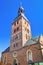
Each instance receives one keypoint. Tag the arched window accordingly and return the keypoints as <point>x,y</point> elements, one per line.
<point>15,62</point>
<point>29,55</point>
<point>5,60</point>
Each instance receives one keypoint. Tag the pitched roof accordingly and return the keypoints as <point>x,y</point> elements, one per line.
<point>21,15</point>
<point>30,42</point>
<point>33,41</point>
<point>37,38</point>
<point>6,50</point>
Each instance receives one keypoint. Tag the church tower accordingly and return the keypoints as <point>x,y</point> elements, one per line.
<point>21,31</point>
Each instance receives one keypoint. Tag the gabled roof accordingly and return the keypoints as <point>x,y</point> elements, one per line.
<point>37,38</point>
<point>33,40</point>
<point>6,50</point>
<point>30,42</point>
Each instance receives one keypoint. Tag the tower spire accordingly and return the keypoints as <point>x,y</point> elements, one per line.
<point>21,9</point>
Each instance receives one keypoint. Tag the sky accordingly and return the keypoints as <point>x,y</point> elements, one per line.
<point>9,11</point>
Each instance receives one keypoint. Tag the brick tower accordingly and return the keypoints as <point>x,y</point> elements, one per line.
<point>21,31</point>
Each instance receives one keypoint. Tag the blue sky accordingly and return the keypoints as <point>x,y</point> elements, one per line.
<point>8,12</point>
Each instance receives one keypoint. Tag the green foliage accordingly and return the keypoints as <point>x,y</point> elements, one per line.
<point>36,64</point>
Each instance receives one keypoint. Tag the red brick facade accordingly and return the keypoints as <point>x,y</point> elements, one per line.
<point>22,47</point>
<point>22,54</point>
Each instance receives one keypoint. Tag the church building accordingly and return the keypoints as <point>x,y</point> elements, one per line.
<point>23,48</point>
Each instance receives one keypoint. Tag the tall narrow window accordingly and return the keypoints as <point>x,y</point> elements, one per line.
<point>5,60</point>
<point>29,56</point>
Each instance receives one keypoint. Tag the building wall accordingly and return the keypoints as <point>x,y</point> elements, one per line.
<point>26,31</point>
<point>41,43</point>
<point>7,57</point>
<point>16,37</point>
<point>36,54</point>
<point>20,34</point>
<point>22,55</point>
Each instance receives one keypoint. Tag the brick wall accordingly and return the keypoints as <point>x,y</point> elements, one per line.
<point>22,55</point>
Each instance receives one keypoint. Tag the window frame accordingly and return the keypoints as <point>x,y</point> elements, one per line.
<point>28,55</point>
<point>4,60</point>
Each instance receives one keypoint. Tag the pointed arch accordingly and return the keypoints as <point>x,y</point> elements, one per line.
<point>5,60</point>
<point>15,62</point>
<point>29,55</point>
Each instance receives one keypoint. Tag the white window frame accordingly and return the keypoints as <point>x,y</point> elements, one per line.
<point>27,55</point>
